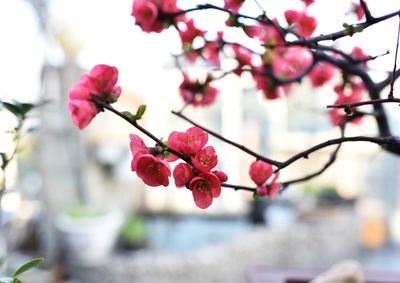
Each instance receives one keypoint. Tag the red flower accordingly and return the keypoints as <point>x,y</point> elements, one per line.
<point>270,190</point>
<point>196,93</point>
<point>183,174</point>
<point>260,171</point>
<point>100,82</point>
<point>302,23</point>
<point>358,53</point>
<point>190,32</point>
<point>82,112</point>
<point>233,5</point>
<point>321,74</point>
<point>138,148</point>
<point>308,2</point>
<point>205,187</point>
<point>220,175</point>
<point>243,57</point>
<point>267,34</point>
<point>346,94</point>
<point>151,15</point>
<point>189,142</point>
<point>205,159</point>
<point>153,171</point>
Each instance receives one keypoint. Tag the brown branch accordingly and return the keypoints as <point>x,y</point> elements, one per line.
<point>385,142</point>
<point>395,63</point>
<point>218,136</point>
<point>362,103</point>
<point>107,106</point>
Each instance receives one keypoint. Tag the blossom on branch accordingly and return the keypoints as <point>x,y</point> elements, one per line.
<point>153,15</point>
<point>100,82</point>
<point>301,22</point>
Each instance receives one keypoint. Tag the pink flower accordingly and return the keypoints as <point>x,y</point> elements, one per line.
<point>321,74</point>
<point>99,82</point>
<point>211,53</point>
<point>243,57</point>
<point>233,5</point>
<point>270,190</point>
<point>82,112</point>
<point>346,94</point>
<point>267,34</point>
<point>302,23</point>
<point>308,2</point>
<point>152,15</point>
<point>358,9</point>
<point>153,171</point>
<point>206,159</point>
<point>138,148</point>
<point>267,86</point>
<point>205,187</point>
<point>220,175</point>
<point>358,53</point>
<point>260,171</point>
<point>183,174</point>
<point>189,142</point>
<point>190,32</point>
<point>196,93</point>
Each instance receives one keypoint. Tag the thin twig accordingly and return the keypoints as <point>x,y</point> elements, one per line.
<point>391,96</point>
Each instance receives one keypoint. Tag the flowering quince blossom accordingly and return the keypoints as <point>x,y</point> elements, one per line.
<point>233,5</point>
<point>359,54</point>
<point>100,82</point>
<point>197,177</point>
<point>308,2</point>
<point>205,187</point>
<point>267,34</point>
<point>346,94</point>
<point>321,74</point>
<point>196,93</point>
<point>271,190</point>
<point>189,32</point>
<point>260,172</point>
<point>153,170</point>
<point>358,10</point>
<point>152,15</point>
<point>302,23</point>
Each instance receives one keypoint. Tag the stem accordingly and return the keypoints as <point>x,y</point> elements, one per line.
<point>367,102</point>
<point>391,141</point>
<point>104,105</point>
<point>218,136</point>
<point>395,64</point>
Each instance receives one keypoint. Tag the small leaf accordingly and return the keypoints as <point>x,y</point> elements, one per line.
<point>140,111</point>
<point>255,196</point>
<point>16,280</point>
<point>25,108</point>
<point>12,108</point>
<point>129,115</point>
<point>29,265</point>
<point>346,25</point>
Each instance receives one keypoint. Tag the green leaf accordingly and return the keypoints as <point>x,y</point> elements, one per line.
<point>346,25</point>
<point>25,108</point>
<point>29,265</point>
<point>255,196</point>
<point>129,115</point>
<point>12,108</point>
<point>16,280</point>
<point>140,111</point>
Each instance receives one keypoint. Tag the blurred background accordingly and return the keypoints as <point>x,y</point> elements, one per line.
<point>72,199</point>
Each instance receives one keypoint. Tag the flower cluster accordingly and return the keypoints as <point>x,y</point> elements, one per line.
<point>260,172</point>
<point>196,174</point>
<point>153,15</point>
<point>99,82</point>
<point>197,93</point>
